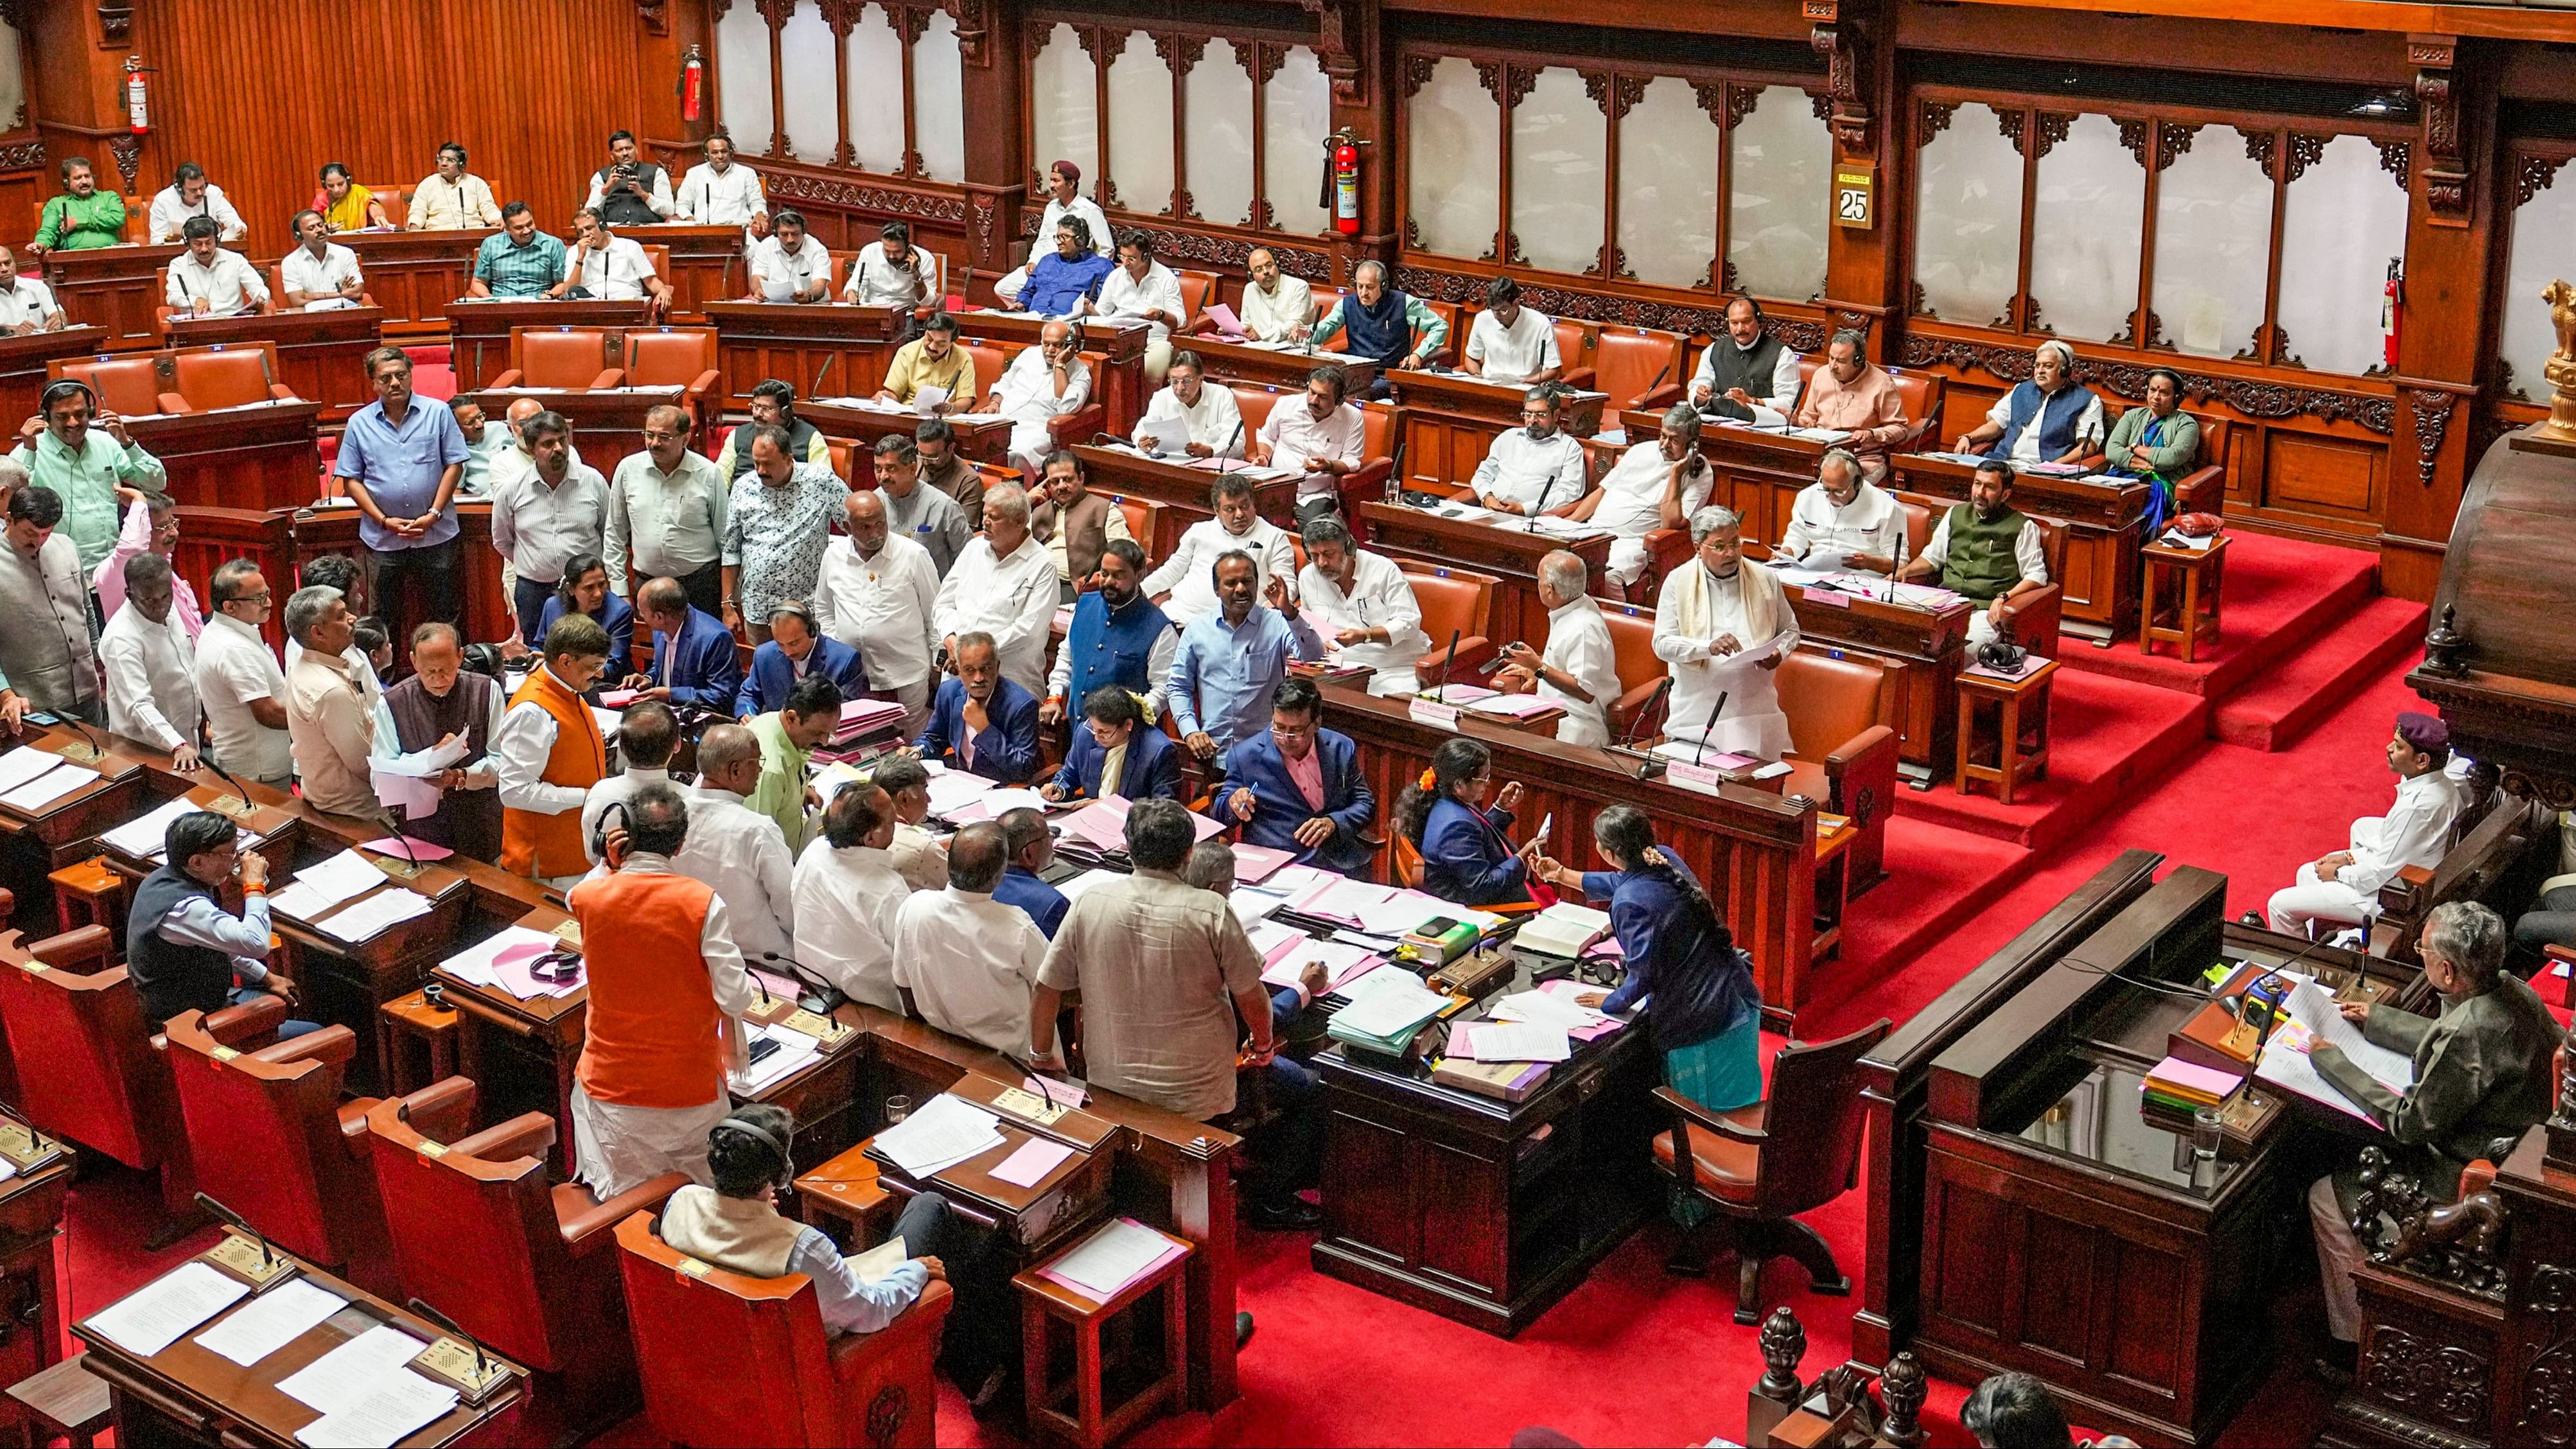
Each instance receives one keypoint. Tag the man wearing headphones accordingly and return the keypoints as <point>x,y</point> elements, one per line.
<point>85,466</point>
<point>1746,375</point>
<point>797,648</point>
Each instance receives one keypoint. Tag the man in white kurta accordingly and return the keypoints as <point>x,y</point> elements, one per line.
<point>1276,307</point>
<point>1842,520</point>
<point>1064,198</point>
<point>1713,610</point>
<point>1654,485</point>
<point>1206,412</point>
<point>151,665</point>
<point>1140,286</point>
<point>1537,467</point>
<point>720,192</point>
<point>1370,616</point>
<point>2343,888</point>
<point>847,894</point>
<point>1003,584</point>
<point>969,962</point>
<point>1184,586</point>
<point>877,592</point>
<point>1512,343</point>
<point>737,851</point>
<point>1043,383</point>
<point>1580,669</point>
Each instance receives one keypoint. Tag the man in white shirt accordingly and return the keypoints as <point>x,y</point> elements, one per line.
<point>238,680</point>
<point>1064,198</point>
<point>319,274</point>
<point>612,268</point>
<point>1210,416</point>
<point>965,962</point>
<point>1276,307</point>
<point>1653,486</point>
<point>209,281</point>
<point>1746,374</point>
<point>666,513</point>
<point>892,272</point>
<point>647,733</point>
<point>1512,343</point>
<point>1715,607</point>
<point>190,194</point>
<point>2342,889</point>
<point>789,263</point>
<point>847,894</point>
<point>26,305</point>
<point>1536,467</point>
<point>1842,520</point>
<point>452,198</point>
<point>735,850</point>
<point>543,516</point>
<point>717,192</point>
<point>1580,669</point>
<point>1320,434</point>
<point>1370,616</point>
<point>151,665</point>
<point>1183,585</point>
<point>1043,383</point>
<point>1143,287</point>
<point>878,592</point>
<point>1002,584</point>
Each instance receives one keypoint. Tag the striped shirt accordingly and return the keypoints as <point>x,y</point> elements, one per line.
<point>519,271</point>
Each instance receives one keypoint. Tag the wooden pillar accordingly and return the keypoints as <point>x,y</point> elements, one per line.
<point>1350,45</point>
<point>79,101</point>
<point>997,166</point>
<point>1864,281</point>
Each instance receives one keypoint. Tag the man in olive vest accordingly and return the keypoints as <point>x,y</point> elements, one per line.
<point>551,753</point>
<point>1984,550</point>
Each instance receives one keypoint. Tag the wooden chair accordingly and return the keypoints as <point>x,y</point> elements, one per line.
<point>1840,755</point>
<point>1757,1167</point>
<point>1639,368</point>
<point>129,386</point>
<point>478,1235</point>
<point>2496,862</point>
<point>284,1151</point>
<point>223,375</point>
<point>576,359</point>
<point>1452,600</point>
<point>681,357</point>
<point>1641,674</point>
<point>729,1359</point>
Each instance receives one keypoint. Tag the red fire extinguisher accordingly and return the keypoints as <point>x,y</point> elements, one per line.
<point>2392,309</point>
<point>693,83</point>
<point>138,103</point>
<point>1342,180</point>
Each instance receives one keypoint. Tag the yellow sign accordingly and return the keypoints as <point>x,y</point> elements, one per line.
<point>1856,195</point>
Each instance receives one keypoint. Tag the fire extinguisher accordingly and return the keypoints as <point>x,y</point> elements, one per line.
<point>2392,309</point>
<point>138,102</point>
<point>693,83</point>
<point>1342,180</point>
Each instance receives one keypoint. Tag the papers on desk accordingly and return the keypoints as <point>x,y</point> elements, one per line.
<point>795,1052</point>
<point>393,1406</point>
<point>343,1376</point>
<point>1515,706</point>
<point>1556,527</point>
<point>1339,898</point>
<point>1686,745</point>
<point>1563,929</point>
<point>2314,1018</point>
<point>1237,468</point>
<point>23,764</point>
<point>152,1317</point>
<point>1112,1258</point>
<point>993,803</point>
<point>1029,1166</point>
<point>317,888</point>
<point>1386,1015</point>
<point>1542,1008</point>
<point>1826,436</point>
<point>406,848</point>
<point>1510,1041</point>
<point>474,963</point>
<point>1343,961</point>
<point>64,778</point>
<point>1464,512</point>
<point>1291,881</point>
<point>1252,906</point>
<point>1103,823</point>
<point>950,789</point>
<point>1254,864</point>
<point>1461,693</point>
<point>1162,436</point>
<point>1073,888</point>
<point>271,1321</point>
<point>365,920</point>
<point>147,834</point>
<point>941,1133</point>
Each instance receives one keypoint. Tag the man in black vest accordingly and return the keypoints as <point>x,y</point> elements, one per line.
<point>181,949</point>
<point>629,191</point>
<point>444,700</point>
<point>1746,374</point>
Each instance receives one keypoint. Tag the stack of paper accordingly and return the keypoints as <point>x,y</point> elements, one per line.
<point>952,789</point>
<point>317,888</point>
<point>53,784</point>
<point>941,1133</point>
<point>1118,1254</point>
<point>1510,1041</point>
<point>1103,823</point>
<point>2314,1018</point>
<point>1545,1008</point>
<point>1254,864</point>
<point>271,1321</point>
<point>365,920</point>
<point>1285,961</point>
<point>152,1317</point>
<point>23,764</point>
<point>1514,706</point>
<point>1386,1016</point>
<point>474,963</point>
<point>1032,1162</point>
<point>366,1395</point>
<point>145,834</point>
<point>795,1051</point>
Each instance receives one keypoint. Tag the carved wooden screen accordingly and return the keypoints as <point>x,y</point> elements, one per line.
<point>863,84</point>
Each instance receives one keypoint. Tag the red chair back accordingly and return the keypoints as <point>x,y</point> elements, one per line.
<point>83,1050</point>
<point>1381,423</point>
<point>287,1163</point>
<point>1197,290</point>
<point>669,356</point>
<point>1813,1115</point>
<point>474,1238</point>
<point>1452,599</point>
<point>224,376</point>
<point>992,359</point>
<point>1255,401</point>
<point>1632,643</point>
<point>1919,394</point>
<point>660,257</point>
<point>128,385</point>
<point>1828,700</point>
<point>560,356</point>
<point>1577,345</point>
<point>1633,361</point>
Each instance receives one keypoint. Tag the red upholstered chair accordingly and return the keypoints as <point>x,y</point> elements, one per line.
<point>990,359</point>
<point>2038,616</point>
<point>1919,394</point>
<point>574,358</point>
<point>1578,350</point>
<point>129,386</point>
<point>1639,368</point>
<point>396,201</point>
<point>660,258</point>
<point>1839,754</point>
<point>1326,299</point>
<point>729,1359</point>
<point>1198,289</point>
<point>531,1271</point>
<point>1632,649</point>
<point>681,357</point>
<point>1760,1166</point>
<point>281,1148</point>
<point>1255,400</point>
<point>1452,599</point>
<point>846,457</point>
<point>1381,427</point>
<point>223,375</point>
<point>1455,314</point>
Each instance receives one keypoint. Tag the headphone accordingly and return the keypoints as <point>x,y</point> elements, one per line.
<point>786,1164</point>
<point>63,387</point>
<point>599,829</point>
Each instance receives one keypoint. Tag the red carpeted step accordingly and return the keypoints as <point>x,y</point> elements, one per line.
<point>1937,877</point>
<point>2273,712</point>
<point>2108,739</point>
<point>2280,594</point>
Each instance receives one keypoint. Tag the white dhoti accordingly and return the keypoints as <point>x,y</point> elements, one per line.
<point>1751,723</point>
<point>615,1148</point>
<point>1627,560</point>
<point>1008,289</point>
<point>2293,907</point>
<point>1031,442</point>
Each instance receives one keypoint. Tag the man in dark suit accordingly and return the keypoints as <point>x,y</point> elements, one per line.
<point>1117,753</point>
<point>693,657</point>
<point>1297,787</point>
<point>982,723</point>
<point>797,647</point>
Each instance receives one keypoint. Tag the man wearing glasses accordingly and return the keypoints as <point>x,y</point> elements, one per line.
<point>239,681</point>
<point>1536,467</point>
<point>666,513</point>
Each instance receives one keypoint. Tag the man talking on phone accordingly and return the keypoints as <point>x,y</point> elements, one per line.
<point>1653,485</point>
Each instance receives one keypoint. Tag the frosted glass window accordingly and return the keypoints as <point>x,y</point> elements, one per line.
<point>938,101</point>
<point>2344,219</point>
<point>1064,105</point>
<point>1140,126</point>
<point>876,92</point>
<point>1560,140</point>
<point>1781,189</point>
<point>807,87</point>
<point>2084,231</point>
<point>13,79</point>
<point>2213,246</point>
<point>1668,186</point>
<point>1218,99</point>
<point>1967,229</point>
<point>742,78</point>
<point>2541,227</point>
<point>1296,112</point>
<point>1454,162</point>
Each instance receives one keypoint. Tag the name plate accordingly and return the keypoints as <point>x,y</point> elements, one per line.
<point>821,1028</point>
<point>1830,598</point>
<point>1703,778</point>
<point>1435,714</point>
<point>232,805</point>
<point>1029,1106</point>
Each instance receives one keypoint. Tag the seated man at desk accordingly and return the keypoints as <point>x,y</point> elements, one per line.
<point>1116,752</point>
<point>2342,889</point>
<point>551,753</point>
<point>1719,605</point>
<point>1064,198</point>
<point>1043,383</point>
<point>1384,325</point>
<point>208,280</point>
<point>189,196</point>
<point>847,893</point>
<point>964,960</point>
<point>1852,395</point>
<point>27,305</point>
<point>1580,668</point>
<point>722,192</point>
<point>85,216</point>
<point>892,272</point>
<point>982,723</point>
<point>1746,375</point>
<point>1297,786</point>
<point>1276,307</point>
<point>2482,1072</point>
<point>319,274</point>
<point>737,850</point>
<point>1537,467</point>
<point>1653,486</point>
<point>1144,288</point>
<point>613,268</point>
<point>797,647</point>
<point>2048,418</point>
<point>1184,584</point>
<point>1985,552</point>
<point>1325,437</point>
<point>630,190</point>
<point>1843,516</point>
<point>1509,342</point>
<point>932,360</point>
<point>1466,846</point>
<point>183,950</point>
<point>1117,637</point>
<point>693,654</point>
<point>1367,606</point>
<point>519,262</point>
<point>2159,442</point>
<point>789,265</point>
<point>1232,659</point>
<point>667,994</point>
<point>451,198</point>
<point>1063,282</point>
<point>773,405</point>
<point>1208,419</point>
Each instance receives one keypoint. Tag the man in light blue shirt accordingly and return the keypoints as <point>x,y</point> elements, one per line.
<point>402,461</point>
<point>1231,660</point>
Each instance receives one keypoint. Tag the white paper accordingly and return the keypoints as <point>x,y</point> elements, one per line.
<point>795,1052</point>
<point>49,787</point>
<point>342,877</point>
<point>940,1133</point>
<point>1110,1257</point>
<point>1073,889</point>
<point>393,1406</point>
<point>777,289</point>
<point>420,764</point>
<point>1391,1006</point>
<point>1518,1041</point>
<point>950,789</point>
<point>928,398</point>
<point>272,1321</point>
<point>1161,436</point>
<point>339,1379</point>
<point>152,1317</point>
<point>147,833</point>
<point>1540,1009</point>
<point>1253,907</point>
<point>474,963</point>
<point>23,764</point>
<point>363,921</point>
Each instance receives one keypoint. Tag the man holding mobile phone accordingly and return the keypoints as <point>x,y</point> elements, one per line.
<point>1654,485</point>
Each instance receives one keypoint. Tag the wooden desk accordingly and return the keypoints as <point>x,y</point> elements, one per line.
<point>31,1217</point>
<point>351,983</point>
<point>188,1394</point>
<point>322,355</point>
<point>413,275</point>
<point>1182,491</point>
<point>23,364</point>
<point>117,289</point>
<point>827,349</point>
<point>39,842</point>
<point>1286,368</point>
<point>263,456</point>
<point>981,437</point>
<point>488,611</point>
<point>1510,554</point>
<point>479,332</point>
<point>1118,373</point>
<point>1923,650</point>
<point>1031,1222</point>
<point>1451,420</point>
<point>607,424</point>
<point>268,814</point>
<point>2104,521</point>
<point>705,263</point>
<point>1484,1211</point>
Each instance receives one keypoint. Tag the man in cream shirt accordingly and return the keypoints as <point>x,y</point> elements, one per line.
<point>1580,669</point>
<point>1370,615</point>
<point>965,961</point>
<point>452,198</point>
<point>209,281</point>
<point>877,592</point>
<point>1140,286</point>
<point>1844,521</point>
<point>238,680</point>
<point>190,194</point>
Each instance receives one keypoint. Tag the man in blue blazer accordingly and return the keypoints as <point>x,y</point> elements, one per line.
<point>1298,786</point>
<point>1023,883</point>
<point>693,658</point>
<point>1114,721</point>
<point>982,723</point>
<point>797,647</point>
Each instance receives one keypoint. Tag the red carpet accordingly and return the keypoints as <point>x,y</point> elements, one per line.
<point>2277,594</point>
<point>2106,736</point>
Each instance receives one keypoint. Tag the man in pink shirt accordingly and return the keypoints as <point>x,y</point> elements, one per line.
<point>1852,396</point>
<point>151,523</point>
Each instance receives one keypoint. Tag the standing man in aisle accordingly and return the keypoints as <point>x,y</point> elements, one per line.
<point>551,753</point>
<point>401,461</point>
<point>545,517</point>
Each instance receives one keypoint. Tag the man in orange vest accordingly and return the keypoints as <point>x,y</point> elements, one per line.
<point>666,1003</point>
<point>551,753</point>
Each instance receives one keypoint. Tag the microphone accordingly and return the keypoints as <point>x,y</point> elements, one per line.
<point>1646,711</point>
<point>88,741</point>
<point>240,796</point>
<point>828,995</point>
<point>1708,725</point>
<point>241,1225</point>
<point>822,372</point>
<point>1446,660</point>
<point>1044,1089</point>
<point>486,1372</point>
<point>1896,565</point>
<point>860,286</point>
<point>412,871</point>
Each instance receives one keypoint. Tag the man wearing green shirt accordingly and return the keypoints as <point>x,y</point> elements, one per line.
<point>84,216</point>
<point>85,466</point>
<point>787,737</point>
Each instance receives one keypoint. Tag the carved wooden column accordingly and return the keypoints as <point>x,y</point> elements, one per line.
<point>997,166</point>
<point>1864,282</point>
<point>2535,1362</point>
<point>1350,46</point>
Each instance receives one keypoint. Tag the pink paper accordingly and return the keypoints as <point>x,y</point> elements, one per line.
<point>777,985</point>
<point>406,848</point>
<point>617,698</point>
<point>1103,822</point>
<point>513,964</point>
<point>1518,706</point>
<point>1227,324</point>
<point>1256,863</point>
<point>1830,598</point>
<point>1062,1094</point>
<point>1029,1166</point>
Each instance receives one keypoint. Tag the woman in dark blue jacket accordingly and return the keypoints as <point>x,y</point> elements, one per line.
<point>1467,855</point>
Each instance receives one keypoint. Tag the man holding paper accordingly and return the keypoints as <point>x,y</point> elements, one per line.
<point>1298,786</point>
<point>182,948</point>
<point>2481,1071</point>
<point>1188,416</point>
<point>1719,614</point>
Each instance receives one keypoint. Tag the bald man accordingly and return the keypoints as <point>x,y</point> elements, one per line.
<point>735,849</point>
<point>1043,383</point>
<point>878,592</point>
